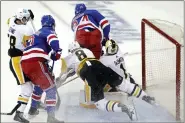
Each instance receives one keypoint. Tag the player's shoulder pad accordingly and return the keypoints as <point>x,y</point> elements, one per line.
<point>26,30</point>
<point>91,12</point>
<point>47,31</point>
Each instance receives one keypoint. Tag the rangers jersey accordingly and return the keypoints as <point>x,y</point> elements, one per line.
<point>40,44</point>
<point>89,20</point>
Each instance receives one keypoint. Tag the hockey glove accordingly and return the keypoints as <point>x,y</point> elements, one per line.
<point>56,55</point>
<point>104,41</point>
<point>31,14</point>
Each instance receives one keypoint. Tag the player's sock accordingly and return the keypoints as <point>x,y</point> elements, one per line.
<point>108,105</point>
<point>132,89</point>
<point>51,100</point>
<point>36,96</point>
<point>23,100</point>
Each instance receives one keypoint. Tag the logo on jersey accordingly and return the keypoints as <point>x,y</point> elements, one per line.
<point>118,61</point>
<point>11,30</point>
<point>30,41</point>
<point>75,24</point>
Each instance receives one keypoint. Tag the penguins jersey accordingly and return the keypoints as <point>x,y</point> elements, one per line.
<point>77,59</point>
<point>116,63</point>
<point>18,35</point>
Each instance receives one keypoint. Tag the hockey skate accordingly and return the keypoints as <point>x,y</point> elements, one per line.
<point>41,105</point>
<point>130,110</point>
<point>52,119</point>
<point>20,117</point>
<point>33,111</point>
<point>148,99</point>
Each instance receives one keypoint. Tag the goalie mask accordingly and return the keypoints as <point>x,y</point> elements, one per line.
<point>23,15</point>
<point>73,46</point>
<point>111,47</point>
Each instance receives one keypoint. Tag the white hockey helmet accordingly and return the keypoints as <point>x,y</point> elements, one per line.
<point>23,15</point>
<point>73,46</point>
<point>111,47</point>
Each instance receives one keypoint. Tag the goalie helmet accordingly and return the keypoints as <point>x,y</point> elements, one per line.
<point>23,15</point>
<point>73,46</point>
<point>111,47</point>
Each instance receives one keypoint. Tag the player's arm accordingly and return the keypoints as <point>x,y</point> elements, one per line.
<point>67,69</point>
<point>103,22</point>
<point>53,41</point>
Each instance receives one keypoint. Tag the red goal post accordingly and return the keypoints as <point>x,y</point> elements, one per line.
<point>162,57</point>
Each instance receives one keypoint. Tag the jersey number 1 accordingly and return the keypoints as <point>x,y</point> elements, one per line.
<point>80,54</point>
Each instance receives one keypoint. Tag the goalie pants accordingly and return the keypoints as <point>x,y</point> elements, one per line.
<point>90,40</point>
<point>97,76</point>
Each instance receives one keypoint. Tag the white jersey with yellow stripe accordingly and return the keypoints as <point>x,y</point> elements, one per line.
<point>18,34</point>
<point>76,59</point>
<point>115,62</point>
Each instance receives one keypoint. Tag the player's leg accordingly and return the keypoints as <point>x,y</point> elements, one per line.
<point>126,85</point>
<point>25,86</point>
<point>35,100</point>
<point>40,75</point>
<point>93,74</point>
<point>95,40</point>
<point>90,39</point>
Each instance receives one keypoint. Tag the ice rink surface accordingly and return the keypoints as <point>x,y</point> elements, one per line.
<point>128,19</point>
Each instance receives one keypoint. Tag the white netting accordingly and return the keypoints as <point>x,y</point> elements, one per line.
<point>161,64</point>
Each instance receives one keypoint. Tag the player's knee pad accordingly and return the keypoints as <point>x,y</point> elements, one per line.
<point>26,91</point>
<point>51,96</point>
<point>131,89</point>
<point>108,105</point>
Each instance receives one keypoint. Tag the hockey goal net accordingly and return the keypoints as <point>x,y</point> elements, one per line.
<point>163,63</point>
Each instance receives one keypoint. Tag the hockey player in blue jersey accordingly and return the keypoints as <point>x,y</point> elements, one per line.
<point>42,47</point>
<point>87,26</point>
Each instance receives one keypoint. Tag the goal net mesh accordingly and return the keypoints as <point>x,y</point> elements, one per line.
<point>161,65</point>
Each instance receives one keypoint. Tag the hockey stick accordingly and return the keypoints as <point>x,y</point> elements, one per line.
<point>59,100</point>
<point>68,81</point>
<point>33,26</point>
<point>13,110</point>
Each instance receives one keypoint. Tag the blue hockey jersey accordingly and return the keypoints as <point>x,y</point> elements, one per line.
<point>41,43</point>
<point>91,19</point>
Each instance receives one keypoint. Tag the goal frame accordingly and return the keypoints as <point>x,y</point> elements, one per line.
<point>178,60</point>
